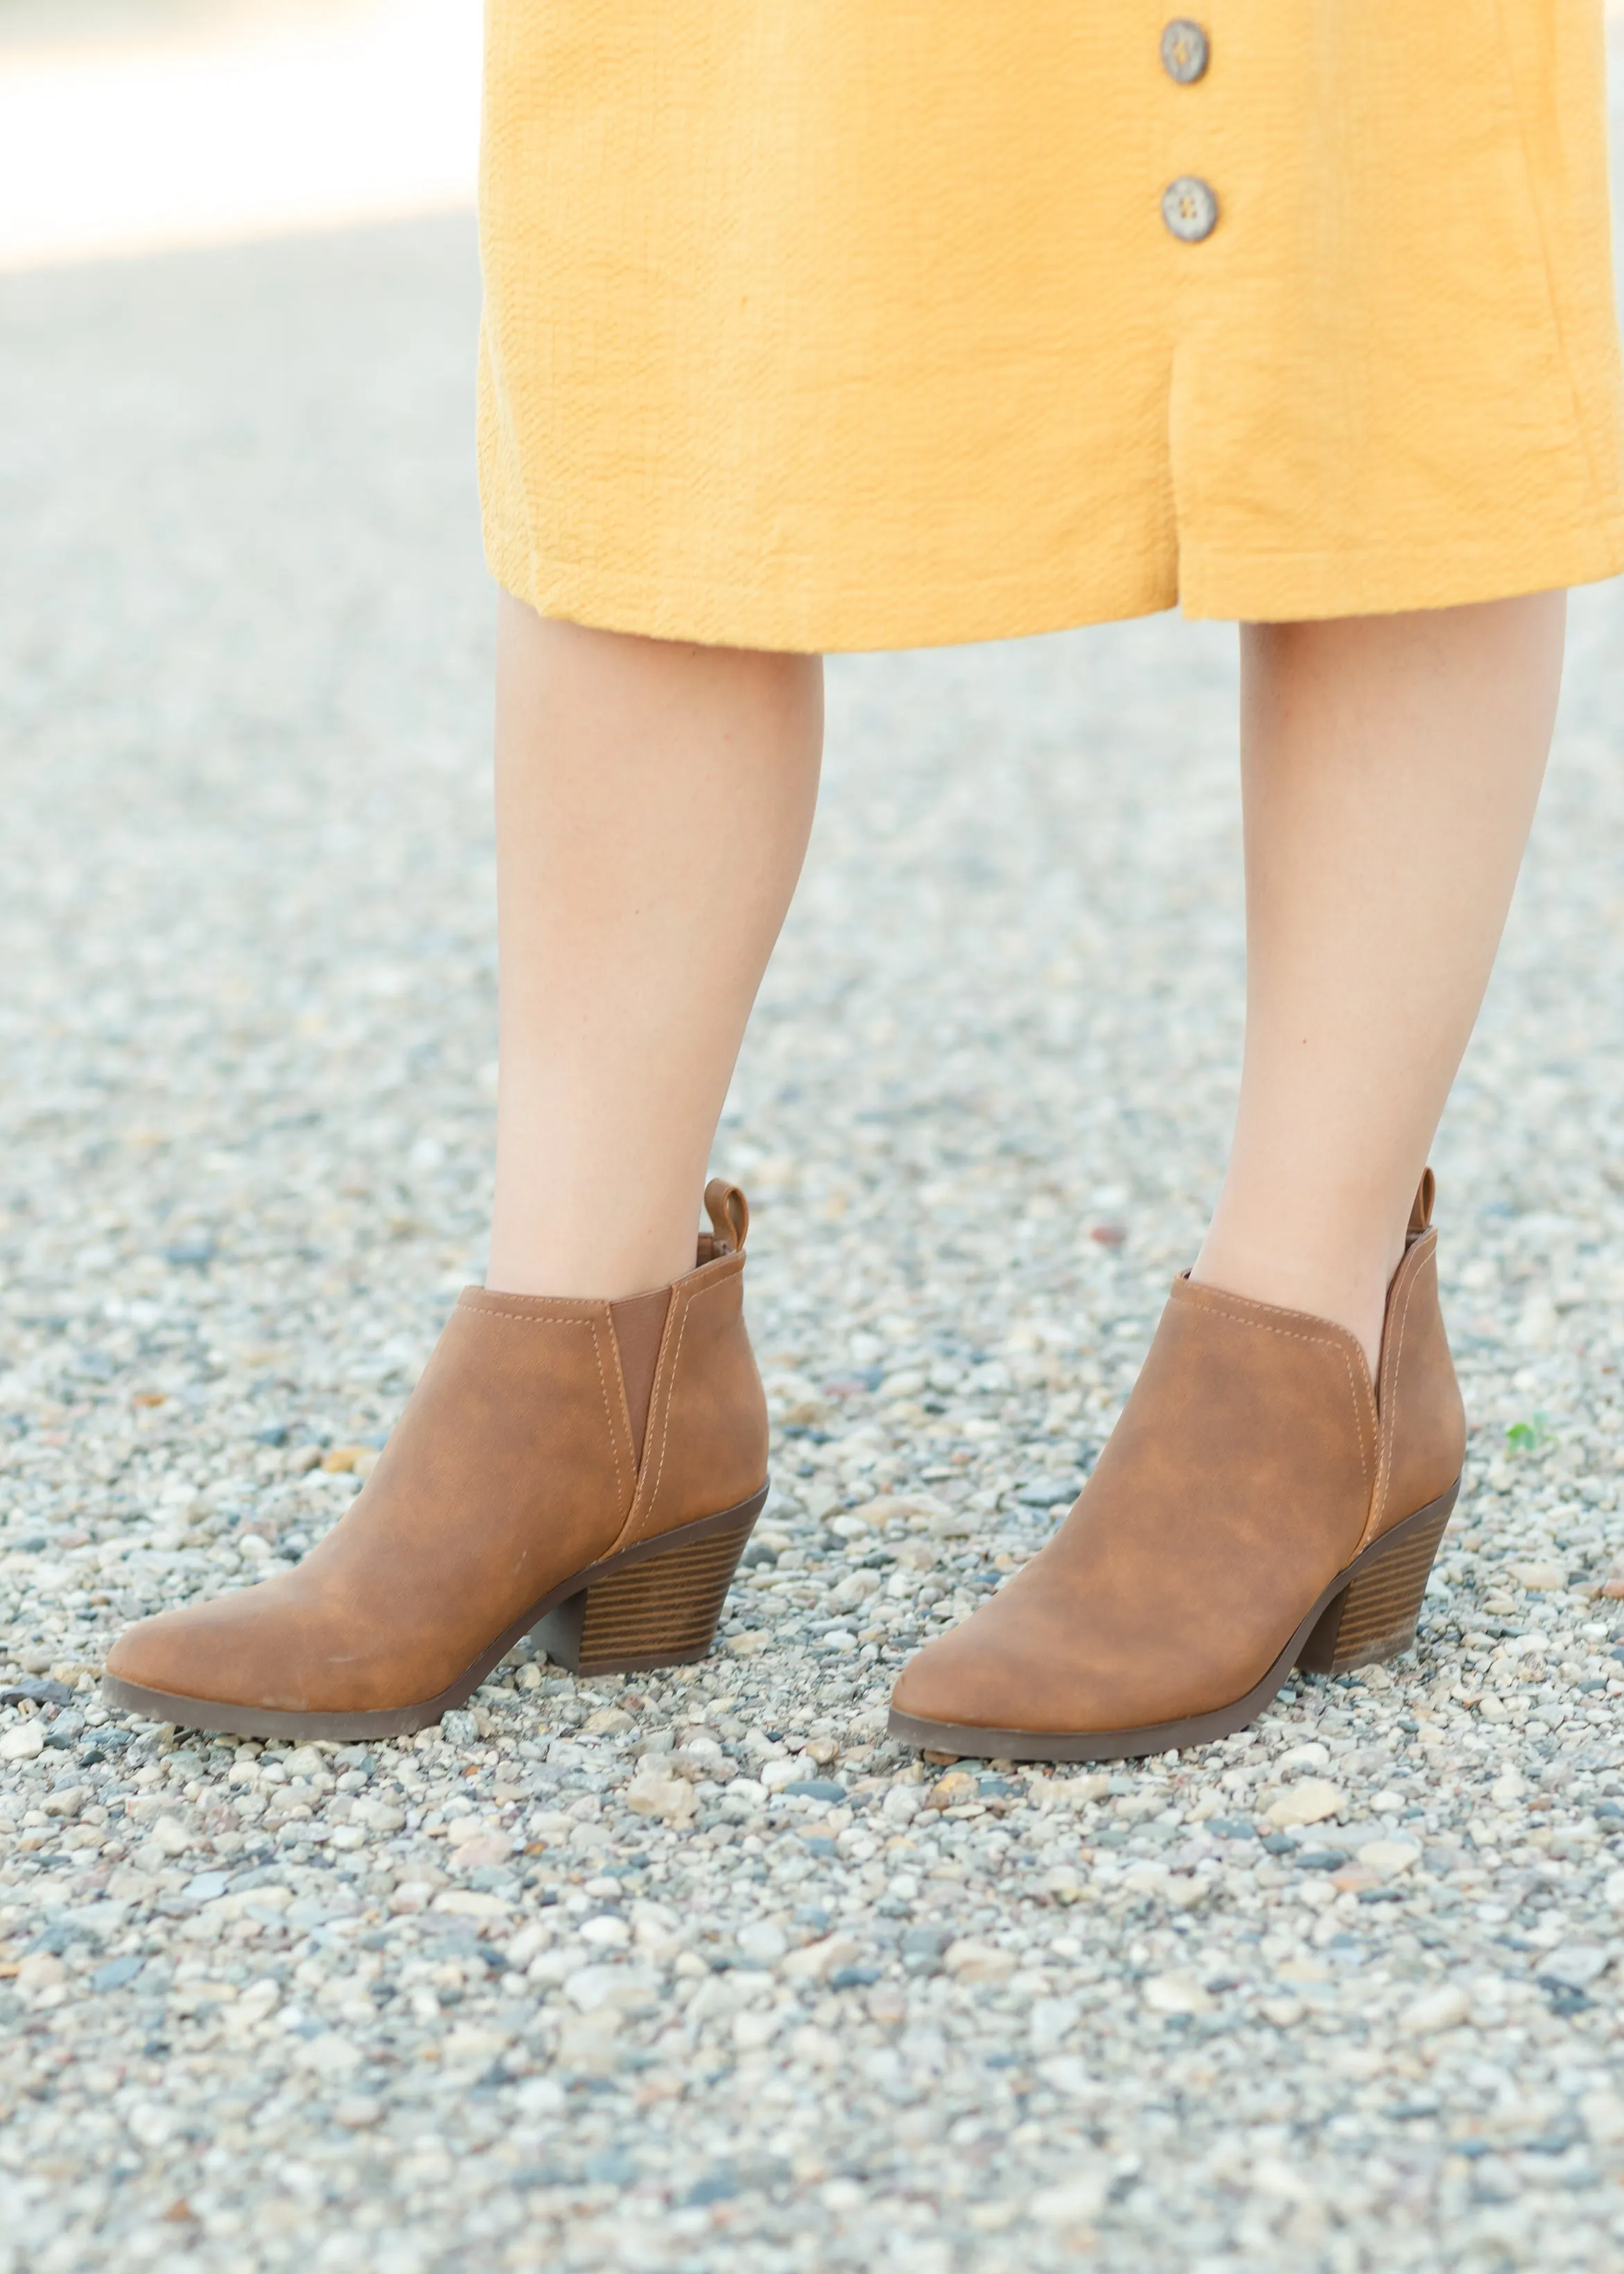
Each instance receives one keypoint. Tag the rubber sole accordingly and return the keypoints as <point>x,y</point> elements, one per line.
<point>1367,1613</point>
<point>663,1598</point>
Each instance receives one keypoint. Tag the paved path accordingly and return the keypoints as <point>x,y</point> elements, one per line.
<point>577,1983</point>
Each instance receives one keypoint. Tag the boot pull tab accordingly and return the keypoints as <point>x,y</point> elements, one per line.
<point>1421,1215</point>
<point>730,1215</point>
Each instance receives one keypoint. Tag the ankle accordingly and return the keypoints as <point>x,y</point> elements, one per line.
<point>594,1270</point>
<point>1350,1290</point>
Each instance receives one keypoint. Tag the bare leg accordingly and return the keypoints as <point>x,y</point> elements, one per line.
<point>652,808</point>
<point>1391,766</point>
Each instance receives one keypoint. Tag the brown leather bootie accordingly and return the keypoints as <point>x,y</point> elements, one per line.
<point>1260,1505</point>
<point>588,1470</point>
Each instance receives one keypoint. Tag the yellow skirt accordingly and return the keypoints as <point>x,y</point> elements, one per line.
<point>873,323</point>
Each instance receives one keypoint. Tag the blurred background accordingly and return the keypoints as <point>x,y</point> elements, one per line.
<point>131,126</point>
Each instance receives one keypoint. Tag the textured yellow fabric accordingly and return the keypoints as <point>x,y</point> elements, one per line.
<point>856,323</point>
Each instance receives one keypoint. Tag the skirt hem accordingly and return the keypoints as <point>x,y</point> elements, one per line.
<point>1205,583</point>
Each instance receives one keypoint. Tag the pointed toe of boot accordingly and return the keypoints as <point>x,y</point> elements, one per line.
<point>285,1658</point>
<point>196,1666</point>
<point>963,1687</point>
<point>928,1689</point>
<point>144,1656</point>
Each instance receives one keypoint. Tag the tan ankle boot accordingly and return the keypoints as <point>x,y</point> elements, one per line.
<point>588,1470</point>
<point>1259,1506</point>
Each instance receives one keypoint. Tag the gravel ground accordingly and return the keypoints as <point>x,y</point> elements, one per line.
<point>702,1973</point>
